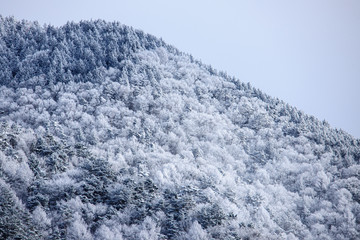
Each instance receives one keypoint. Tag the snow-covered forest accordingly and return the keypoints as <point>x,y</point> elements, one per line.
<point>109,133</point>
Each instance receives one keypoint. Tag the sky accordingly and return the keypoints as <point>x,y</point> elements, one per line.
<point>306,52</point>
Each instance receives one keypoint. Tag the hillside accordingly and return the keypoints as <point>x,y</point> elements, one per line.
<point>109,133</point>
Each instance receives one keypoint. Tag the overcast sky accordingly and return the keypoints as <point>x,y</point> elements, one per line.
<point>306,52</point>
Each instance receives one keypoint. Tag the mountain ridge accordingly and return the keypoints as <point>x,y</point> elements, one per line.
<point>149,43</point>
<point>109,133</point>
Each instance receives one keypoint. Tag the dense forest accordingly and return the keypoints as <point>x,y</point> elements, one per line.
<point>109,133</point>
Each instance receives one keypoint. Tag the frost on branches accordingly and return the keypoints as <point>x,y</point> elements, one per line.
<point>109,133</point>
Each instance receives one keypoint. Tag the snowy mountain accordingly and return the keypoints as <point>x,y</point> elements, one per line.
<point>109,133</point>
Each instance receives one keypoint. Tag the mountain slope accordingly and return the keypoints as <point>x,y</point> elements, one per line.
<point>110,133</point>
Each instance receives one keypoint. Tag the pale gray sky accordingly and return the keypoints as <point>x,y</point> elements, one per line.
<point>306,52</point>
